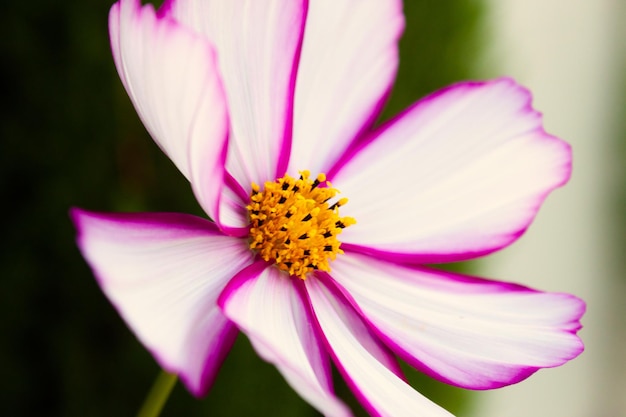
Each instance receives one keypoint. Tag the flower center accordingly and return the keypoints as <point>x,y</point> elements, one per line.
<point>294,226</point>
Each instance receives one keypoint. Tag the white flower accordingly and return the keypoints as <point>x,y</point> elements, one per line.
<point>246,95</point>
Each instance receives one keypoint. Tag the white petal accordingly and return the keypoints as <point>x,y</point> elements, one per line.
<point>163,273</point>
<point>233,212</point>
<point>258,44</point>
<point>171,76</point>
<point>465,331</point>
<point>349,60</point>
<point>460,174</point>
<point>266,305</point>
<point>363,362</point>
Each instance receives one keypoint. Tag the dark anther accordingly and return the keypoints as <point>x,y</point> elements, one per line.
<point>288,264</point>
<point>315,184</point>
<point>307,252</point>
<point>289,214</point>
<point>282,200</point>
<point>288,241</point>
<point>255,212</point>
<point>307,217</point>
<point>328,234</point>
<point>283,229</point>
<point>304,236</point>
<point>328,248</point>
<point>312,266</point>
<point>285,186</point>
<point>259,222</point>
<point>295,188</point>
<point>340,225</point>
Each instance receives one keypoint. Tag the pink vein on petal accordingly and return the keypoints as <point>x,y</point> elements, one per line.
<point>268,306</point>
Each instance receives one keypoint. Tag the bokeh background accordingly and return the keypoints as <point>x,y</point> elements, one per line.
<point>70,137</point>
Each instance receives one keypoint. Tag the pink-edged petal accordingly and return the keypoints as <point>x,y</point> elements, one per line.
<point>233,213</point>
<point>258,45</point>
<point>269,308</point>
<point>368,367</point>
<point>349,60</point>
<point>465,331</point>
<point>163,273</point>
<point>171,76</point>
<point>460,174</point>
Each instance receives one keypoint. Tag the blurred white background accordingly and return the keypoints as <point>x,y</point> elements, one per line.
<point>570,53</point>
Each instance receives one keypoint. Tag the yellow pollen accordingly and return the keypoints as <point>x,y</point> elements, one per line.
<point>295,223</point>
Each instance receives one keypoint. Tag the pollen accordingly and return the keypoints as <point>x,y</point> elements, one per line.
<point>294,223</point>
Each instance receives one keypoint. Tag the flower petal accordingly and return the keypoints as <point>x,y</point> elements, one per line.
<point>460,174</point>
<point>462,330</point>
<point>363,361</point>
<point>171,76</point>
<point>233,213</point>
<point>267,305</point>
<point>163,273</point>
<point>349,60</point>
<point>258,44</point>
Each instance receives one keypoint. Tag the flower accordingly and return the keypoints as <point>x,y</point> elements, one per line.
<point>261,113</point>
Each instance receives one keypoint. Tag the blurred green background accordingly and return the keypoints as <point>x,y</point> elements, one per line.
<point>70,137</point>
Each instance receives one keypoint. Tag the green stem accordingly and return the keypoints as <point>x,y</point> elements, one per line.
<point>158,395</point>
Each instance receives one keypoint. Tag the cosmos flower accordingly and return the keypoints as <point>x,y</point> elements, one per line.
<point>320,224</point>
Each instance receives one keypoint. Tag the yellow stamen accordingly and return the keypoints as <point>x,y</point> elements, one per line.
<point>294,226</point>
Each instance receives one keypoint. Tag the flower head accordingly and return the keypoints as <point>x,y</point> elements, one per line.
<point>267,108</point>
